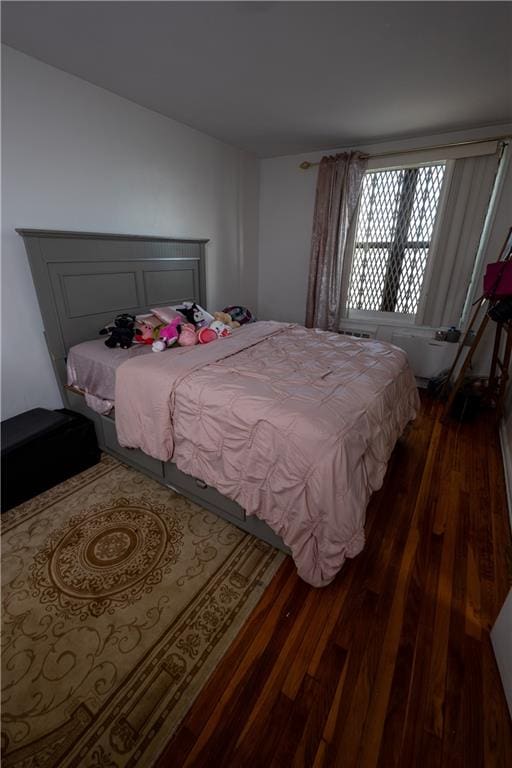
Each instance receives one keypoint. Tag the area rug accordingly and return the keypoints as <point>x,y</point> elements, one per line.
<point>119,598</point>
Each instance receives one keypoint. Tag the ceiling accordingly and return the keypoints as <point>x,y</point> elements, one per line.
<point>278,78</point>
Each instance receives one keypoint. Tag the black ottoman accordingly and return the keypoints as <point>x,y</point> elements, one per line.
<point>41,448</point>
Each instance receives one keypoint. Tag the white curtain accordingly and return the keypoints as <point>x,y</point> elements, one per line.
<point>456,243</point>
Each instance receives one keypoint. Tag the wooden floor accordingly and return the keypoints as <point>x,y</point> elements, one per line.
<point>391,664</point>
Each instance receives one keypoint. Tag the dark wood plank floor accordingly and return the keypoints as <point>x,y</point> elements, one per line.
<point>391,665</point>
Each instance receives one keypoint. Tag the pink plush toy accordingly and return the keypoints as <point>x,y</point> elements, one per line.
<point>167,336</point>
<point>146,334</point>
<point>205,335</point>
<point>188,336</point>
<point>146,329</point>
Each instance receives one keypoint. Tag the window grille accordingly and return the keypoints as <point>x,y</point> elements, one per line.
<point>396,218</point>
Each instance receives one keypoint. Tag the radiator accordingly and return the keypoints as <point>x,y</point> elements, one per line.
<point>362,334</point>
<point>427,356</point>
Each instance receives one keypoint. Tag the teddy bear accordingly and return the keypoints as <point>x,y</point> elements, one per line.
<point>223,317</point>
<point>121,332</point>
<point>167,336</point>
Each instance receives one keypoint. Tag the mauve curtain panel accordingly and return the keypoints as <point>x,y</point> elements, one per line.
<point>337,194</point>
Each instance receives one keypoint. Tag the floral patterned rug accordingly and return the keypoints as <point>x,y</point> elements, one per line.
<point>119,598</point>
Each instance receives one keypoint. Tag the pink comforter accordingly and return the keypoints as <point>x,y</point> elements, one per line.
<point>296,425</point>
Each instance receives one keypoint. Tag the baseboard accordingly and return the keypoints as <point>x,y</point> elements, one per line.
<point>506,455</point>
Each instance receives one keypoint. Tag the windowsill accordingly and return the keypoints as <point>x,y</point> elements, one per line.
<point>373,322</point>
<point>381,318</point>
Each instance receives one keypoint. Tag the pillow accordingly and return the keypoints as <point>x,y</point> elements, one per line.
<point>167,314</point>
<point>148,319</point>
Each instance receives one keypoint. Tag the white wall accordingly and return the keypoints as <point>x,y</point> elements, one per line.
<point>287,197</point>
<point>501,636</point>
<point>78,157</point>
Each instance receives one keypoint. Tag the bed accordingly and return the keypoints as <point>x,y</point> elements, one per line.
<point>283,430</point>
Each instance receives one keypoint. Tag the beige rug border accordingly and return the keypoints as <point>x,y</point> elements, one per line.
<point>243,616</point>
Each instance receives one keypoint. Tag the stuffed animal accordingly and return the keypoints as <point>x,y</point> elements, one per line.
<point>241,314</point>
<point>205,335</point>
<point>188,336</point>
<point>146,329</point>
<point>223,317</point>
<point>145,335</point>
<point>167,336</point>
<point>221,329</point>
<point>121,332</point>
<point>193,314</point>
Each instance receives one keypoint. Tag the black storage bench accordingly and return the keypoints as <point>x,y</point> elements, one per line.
<point>41,448</point>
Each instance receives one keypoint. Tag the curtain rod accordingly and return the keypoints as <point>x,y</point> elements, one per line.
<point>306,164</point>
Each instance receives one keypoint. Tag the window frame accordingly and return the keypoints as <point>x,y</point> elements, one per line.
<point>401,318</point>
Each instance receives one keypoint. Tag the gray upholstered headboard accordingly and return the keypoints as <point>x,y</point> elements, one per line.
<point>84,279</point>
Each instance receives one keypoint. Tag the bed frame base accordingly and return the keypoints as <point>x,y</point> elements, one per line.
<point>168,474</point>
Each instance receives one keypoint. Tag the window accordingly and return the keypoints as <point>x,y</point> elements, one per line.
<point>396,218</point>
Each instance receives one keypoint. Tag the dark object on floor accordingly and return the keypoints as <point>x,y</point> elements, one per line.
<point>466,406</point>
<point>469,399</point>
<point>41,448</point>
<point>435,385</point>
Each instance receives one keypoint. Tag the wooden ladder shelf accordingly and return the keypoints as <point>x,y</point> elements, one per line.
<point>499,370</point>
